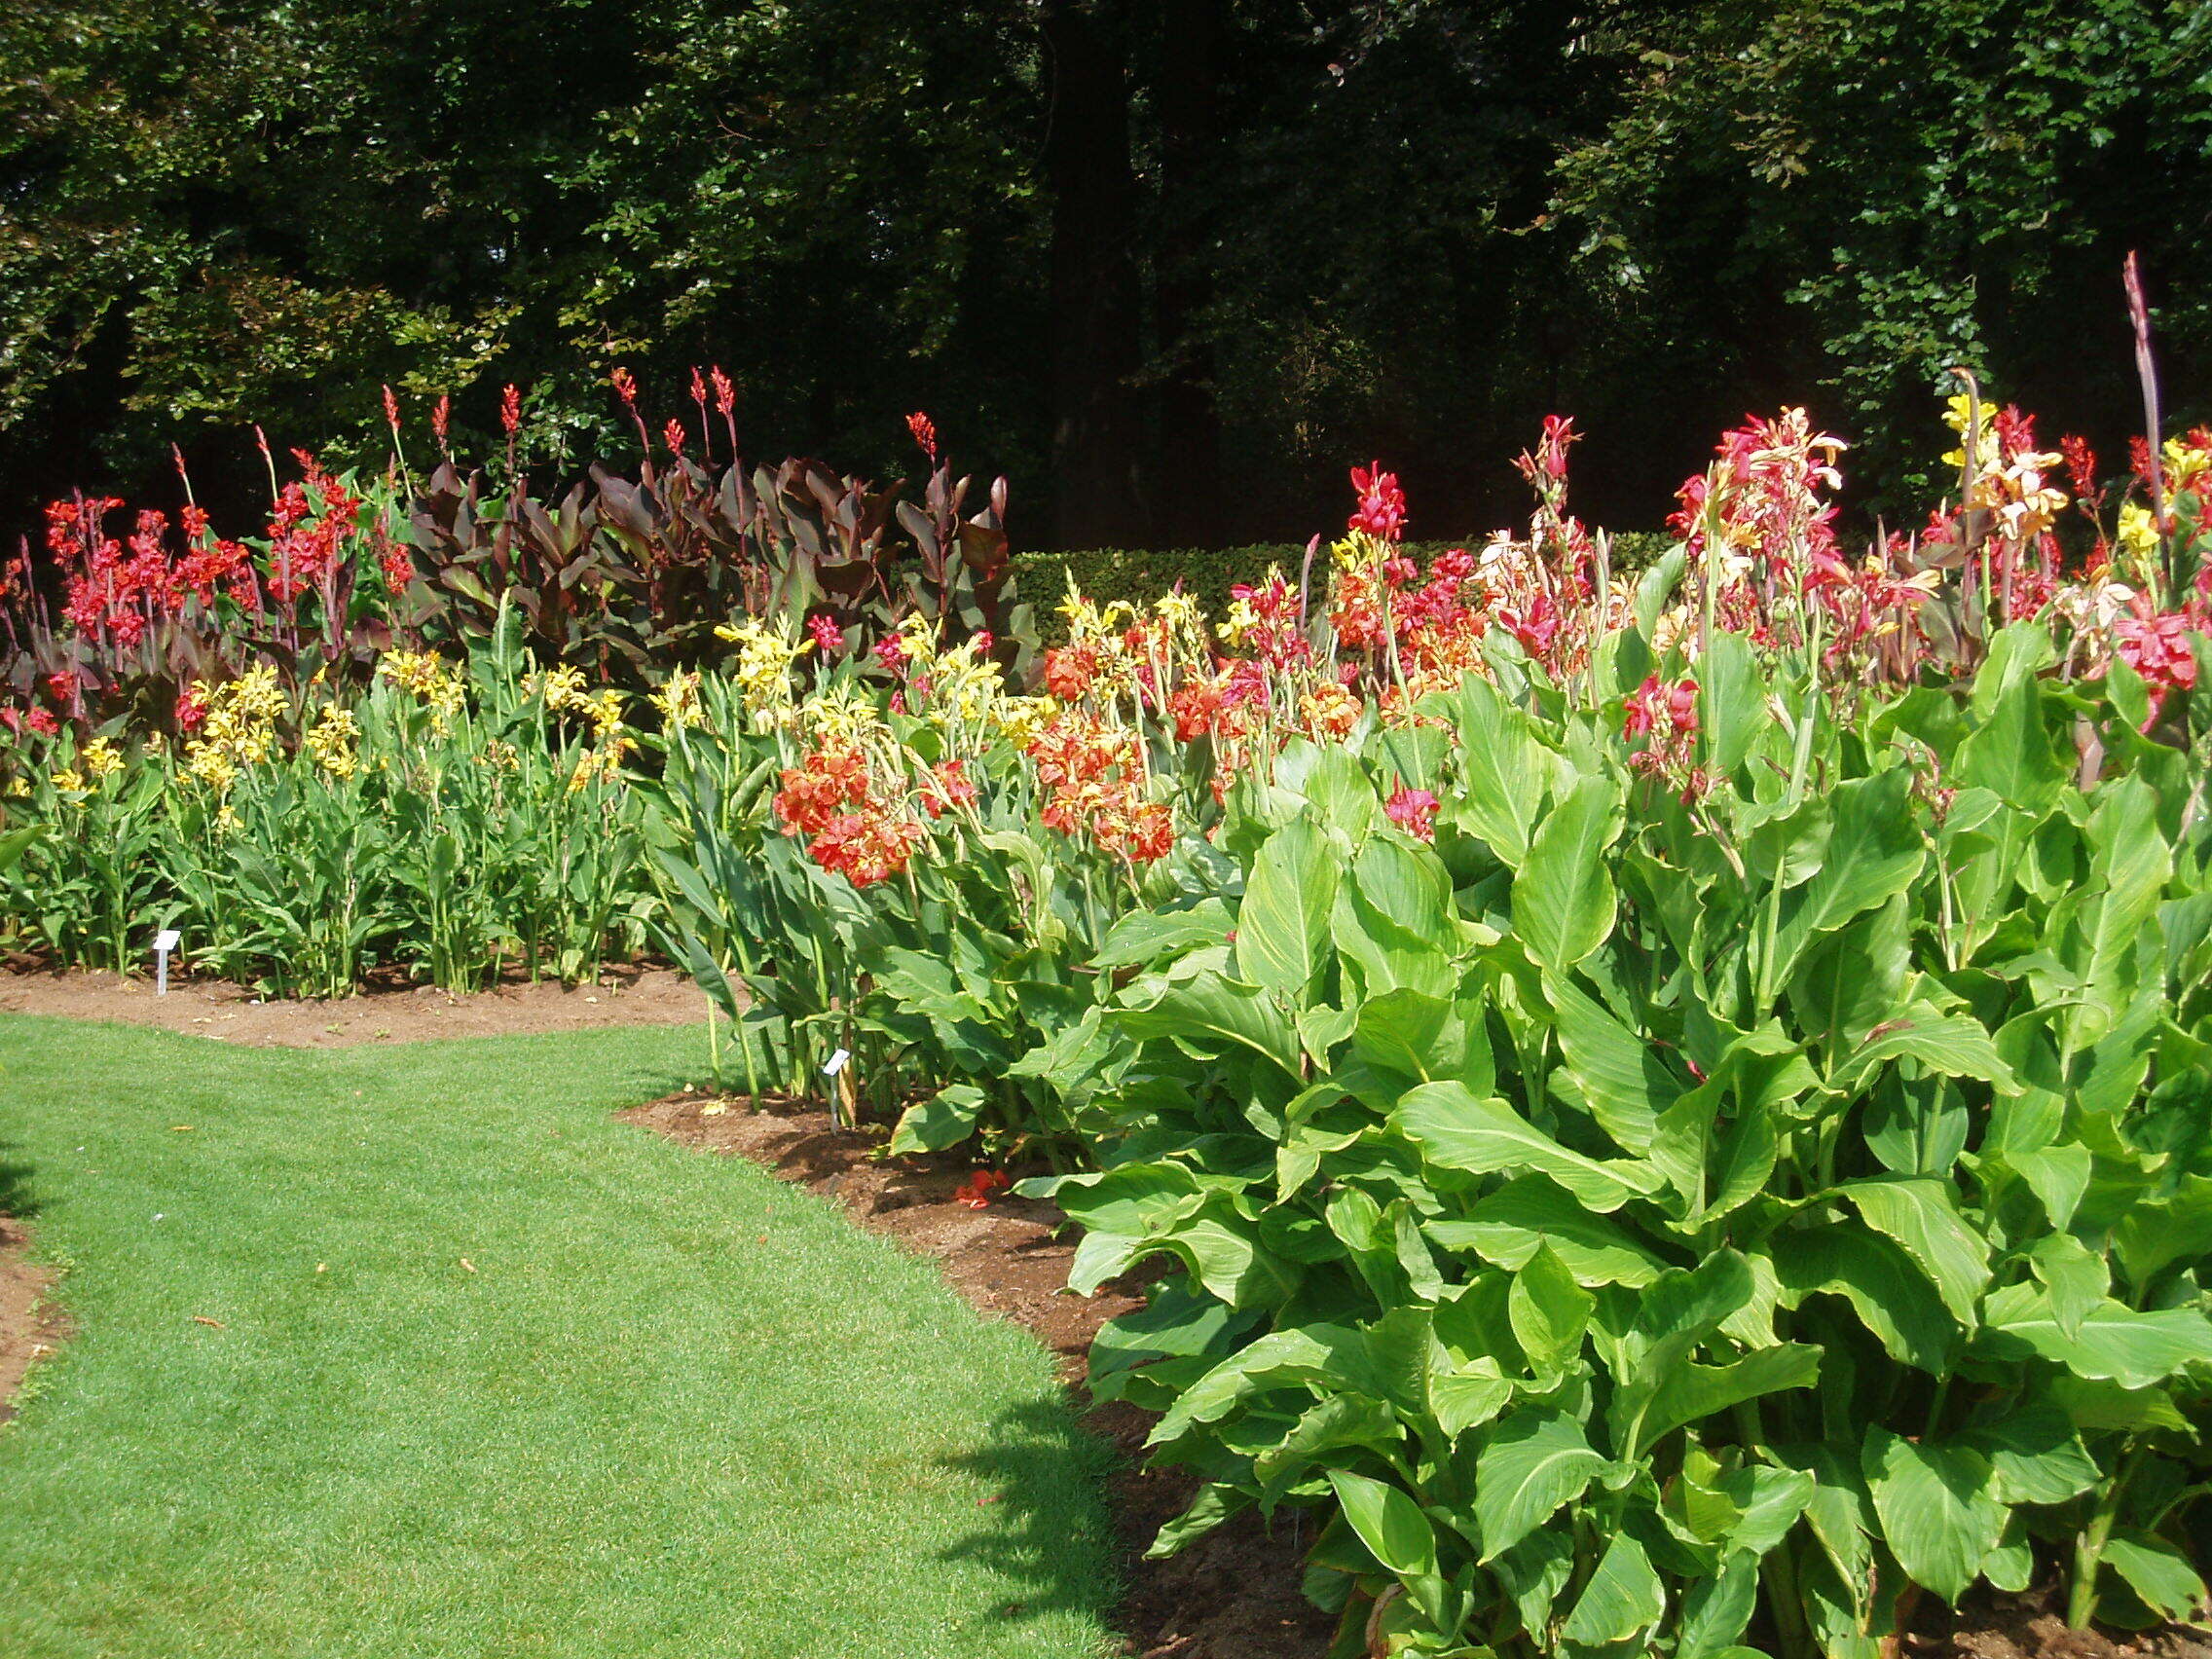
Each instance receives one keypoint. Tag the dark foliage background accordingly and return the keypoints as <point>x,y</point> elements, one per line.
<point>1171,264</point>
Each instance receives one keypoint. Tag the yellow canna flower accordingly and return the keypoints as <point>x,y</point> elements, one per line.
<point>99,758</point>
<point>2138,532</point>
<point>330,742</point>
<point>1240,622</point>
<point>678,701</point>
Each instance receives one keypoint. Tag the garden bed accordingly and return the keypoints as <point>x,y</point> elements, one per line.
<point>1232,1594</point>
<point>391,1010</point>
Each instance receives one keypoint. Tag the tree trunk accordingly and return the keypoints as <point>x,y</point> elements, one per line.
<point>1095,348</point>
<point>1189,512</point>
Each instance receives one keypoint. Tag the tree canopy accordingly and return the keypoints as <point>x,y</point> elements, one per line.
<point>1172,264</point>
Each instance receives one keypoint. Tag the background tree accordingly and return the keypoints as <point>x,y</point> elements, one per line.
<point>1172,264</point>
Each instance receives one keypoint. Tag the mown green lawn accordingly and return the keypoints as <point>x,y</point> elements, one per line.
<point>677,1408</point>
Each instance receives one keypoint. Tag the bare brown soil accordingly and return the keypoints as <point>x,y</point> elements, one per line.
<point>30,1327</point>
<point>386,1013</point>
<point>2031,1626</point>
<point>1233,1593</point>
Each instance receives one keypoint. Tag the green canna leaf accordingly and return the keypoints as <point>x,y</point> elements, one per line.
<point>1563,904</point>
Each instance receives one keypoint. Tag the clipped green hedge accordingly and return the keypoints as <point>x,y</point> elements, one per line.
<point>1140,575</point>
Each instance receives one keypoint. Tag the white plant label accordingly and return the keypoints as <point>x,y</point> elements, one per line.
<point>836,1062</point>
<point>167,939</point>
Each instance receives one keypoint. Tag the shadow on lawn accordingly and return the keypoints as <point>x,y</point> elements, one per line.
<point>1042,1534</point>
<point>15,1197</point>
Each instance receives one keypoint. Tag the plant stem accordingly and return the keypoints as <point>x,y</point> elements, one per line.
<point>2089,1547</point>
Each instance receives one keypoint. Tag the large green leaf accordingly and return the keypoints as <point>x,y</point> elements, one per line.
<point>1457,1129</point>
<point>1215,1504</point>
<point>2159,1231</point>
<point>1623,1597</point>
<point>1224,1252</point>
<point>1536,1460</point>
<point>1394,918</point>
<point>1689,1392</point>
<point>1208,1011</point>
<point>1424,1037</point>
<point>2157,1573</point>
<point>1311,1354</point>
<point>1623,1081</point>
<point>1715,1610</point>
<point>2035,1455</point>
<point>1954,1044</point>
<point>1282,927</point>
<point>2014,750</point>
<point>1388,1523</point>
<point>1338,1424</point>
<point>1891,1297</point>
<point>1549,1312</point>
<point>1922,1216</point>
<point>1874,852</point>
<point>1564,903</point>
<point>1506,1228</point>
<point>2111,1342</point>
<point>1504,769</point>
<point>1731,702</point>
<point>1938,1508</point>
<point>946,1119</point>
<point>1144,936</point>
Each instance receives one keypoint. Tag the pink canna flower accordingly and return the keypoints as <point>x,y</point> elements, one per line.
<point>1414,811</point>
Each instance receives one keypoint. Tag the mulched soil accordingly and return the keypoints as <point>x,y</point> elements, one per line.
<point>2031,1625</point>
<point>391,1010</point>
<point>1233,1595</point>
<point>30,1327</point>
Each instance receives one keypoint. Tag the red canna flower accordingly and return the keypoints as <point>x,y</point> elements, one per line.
<point>441,414</point>
<point>829,638</point>
<point>671,435</point>
<point>925,434</point>
<point>1382,511</point>
<point>391,411</point>
<point>1414,811</point>
<point>625,388</point>
<point>976,1192</point>
<point>510,410</point>
<point>948,786</point>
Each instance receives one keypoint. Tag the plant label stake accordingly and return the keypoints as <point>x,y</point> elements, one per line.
<point>831,1068</point>
<point>164,941</point>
